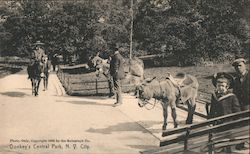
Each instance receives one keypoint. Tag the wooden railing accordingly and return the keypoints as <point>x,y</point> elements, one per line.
<point>206,136</point>
<point>90,85</point>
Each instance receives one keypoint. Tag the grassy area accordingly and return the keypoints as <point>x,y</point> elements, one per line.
<point>11,65</point>
<point>8,69</point>
<point>85,83</point>
<point>202,73</point>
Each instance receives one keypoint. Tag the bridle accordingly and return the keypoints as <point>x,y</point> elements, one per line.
<point>143,102</point>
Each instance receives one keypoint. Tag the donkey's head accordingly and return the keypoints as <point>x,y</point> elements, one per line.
<point>144,91</point>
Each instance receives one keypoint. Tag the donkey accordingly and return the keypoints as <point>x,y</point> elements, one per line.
<point>34,73</point>
<point>170,93</point>
<point>134,70</point>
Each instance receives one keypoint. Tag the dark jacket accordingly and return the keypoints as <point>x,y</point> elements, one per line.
<point>223,105</point>
<point>117,66</point>
<point>241,89</point>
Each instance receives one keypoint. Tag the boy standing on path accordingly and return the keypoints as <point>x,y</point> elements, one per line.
<point>223,102</point>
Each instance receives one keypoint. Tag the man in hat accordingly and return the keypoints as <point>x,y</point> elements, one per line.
<point>223,102</point>
<point>241,87</point>
<point>36,56</point>
<point>38,52</point>
<point>241,83</point>
<point>117,73</point>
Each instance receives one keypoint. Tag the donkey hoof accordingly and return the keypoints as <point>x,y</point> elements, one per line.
<point>164,127</point>
<point>176,125</point>
<point>189,122</point>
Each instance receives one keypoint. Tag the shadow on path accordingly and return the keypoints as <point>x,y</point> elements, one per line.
<point>126,126</point>
<point>97,96</point>
<point>86,103</point>
<point>14,94</point>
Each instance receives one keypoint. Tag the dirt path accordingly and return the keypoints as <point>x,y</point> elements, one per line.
<point>56,123</point>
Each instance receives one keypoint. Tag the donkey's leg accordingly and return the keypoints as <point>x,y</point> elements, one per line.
<point>36,90</point>
<point>172,103</point>
<point>110,83</point>
<point>37,85</point>
<point>32,86</point>
<point>174,116</point>
<point>44,83</point>
<point>191,109</point>
<point>47,81</point>
<point>165,114</point>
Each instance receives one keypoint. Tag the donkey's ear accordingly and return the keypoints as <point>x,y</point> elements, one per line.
<point>148,80</point>
<point>215,75</point>
<point>153,78</point>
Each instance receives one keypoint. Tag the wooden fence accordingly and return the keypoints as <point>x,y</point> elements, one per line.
<point>89,84</point>
<point>207,136</point>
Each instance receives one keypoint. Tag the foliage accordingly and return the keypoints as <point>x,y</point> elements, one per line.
<point>70,28</point>
<point>188,29</point>
<point>184,29</point>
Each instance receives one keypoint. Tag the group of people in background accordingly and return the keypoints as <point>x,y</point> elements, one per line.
<point>39,56</point>
<point>224,101</point>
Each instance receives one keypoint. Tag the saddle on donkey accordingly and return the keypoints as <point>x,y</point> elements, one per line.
<point>180,80</point>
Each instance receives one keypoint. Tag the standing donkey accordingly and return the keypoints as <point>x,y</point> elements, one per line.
<point>34,72</point>
<point>169,92</point>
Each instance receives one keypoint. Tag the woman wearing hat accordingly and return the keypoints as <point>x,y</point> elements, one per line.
<point>223,102</point>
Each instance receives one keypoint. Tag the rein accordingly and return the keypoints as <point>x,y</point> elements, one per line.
<point>153,104</point>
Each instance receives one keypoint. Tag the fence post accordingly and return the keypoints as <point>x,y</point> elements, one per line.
<point>58,74</point>
<point>210,147</point>
<point>96,85</point>
<point>68,86</point>
<point>63,78</point>
<point>61,75</point>
<point>186,140</point>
